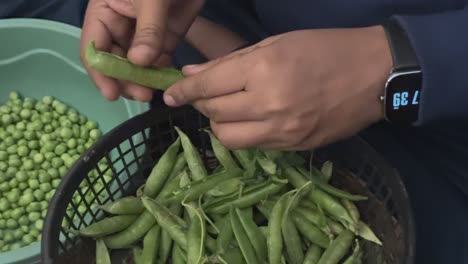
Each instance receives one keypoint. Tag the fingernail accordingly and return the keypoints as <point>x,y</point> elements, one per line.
<point>169,100</point>
<point>191,66</point>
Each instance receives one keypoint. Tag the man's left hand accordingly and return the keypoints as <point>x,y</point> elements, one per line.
<point>295,91</point>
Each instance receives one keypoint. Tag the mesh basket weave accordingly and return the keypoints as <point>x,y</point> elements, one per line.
<point>117,165</point>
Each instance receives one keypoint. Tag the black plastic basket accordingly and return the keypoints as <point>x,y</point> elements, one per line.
<point>132,149</point>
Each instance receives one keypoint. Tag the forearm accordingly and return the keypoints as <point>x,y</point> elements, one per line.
<point>212,40</point>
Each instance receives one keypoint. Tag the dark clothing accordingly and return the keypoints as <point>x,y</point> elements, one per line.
<point>433,157</point>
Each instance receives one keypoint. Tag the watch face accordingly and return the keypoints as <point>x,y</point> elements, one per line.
<point>402,97</point>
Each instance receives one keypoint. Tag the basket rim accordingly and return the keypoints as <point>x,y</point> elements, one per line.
<point>76,174</point>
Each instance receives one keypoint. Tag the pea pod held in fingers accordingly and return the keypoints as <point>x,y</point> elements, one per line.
<point>194,162</point>
<point>161,171</point>
<point>124,206</point>
<point>338,248</point>
<point>102,254</point>
<point>242,239</point>
<point>120,68</point>
<point>166,221</point>
<point>313,254</point>
<point>151,245</point>
<point>108,226</point>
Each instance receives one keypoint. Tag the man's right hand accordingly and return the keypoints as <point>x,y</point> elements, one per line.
<point>144,31</point>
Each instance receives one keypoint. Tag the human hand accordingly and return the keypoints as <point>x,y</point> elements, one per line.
<point>296,91</point>
<point>144,31</point>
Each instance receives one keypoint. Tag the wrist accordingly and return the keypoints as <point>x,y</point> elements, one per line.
<point>381,67</point>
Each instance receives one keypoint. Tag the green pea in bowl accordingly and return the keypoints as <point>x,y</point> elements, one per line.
<point>41,58</point>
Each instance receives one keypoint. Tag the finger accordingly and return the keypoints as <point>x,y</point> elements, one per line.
<point>123,7</point>
<point>137,92</point>
<point>150,31</point>
<point>225,78</point>
<point>196,68</point>
<point>234,107</point>
<point>94,29</point>
<point>238,135</point>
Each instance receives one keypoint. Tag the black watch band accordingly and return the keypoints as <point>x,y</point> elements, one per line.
<point>403,55</point>
<point>403,87</point>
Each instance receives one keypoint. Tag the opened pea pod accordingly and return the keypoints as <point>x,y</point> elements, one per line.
<point>121,68</point>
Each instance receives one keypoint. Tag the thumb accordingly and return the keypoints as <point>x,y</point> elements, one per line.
<point>151,24</point>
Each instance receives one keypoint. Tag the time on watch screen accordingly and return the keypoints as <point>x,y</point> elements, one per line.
<point>402,99</point>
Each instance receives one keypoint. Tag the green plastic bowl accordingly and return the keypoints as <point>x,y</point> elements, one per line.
<point>40,57</point>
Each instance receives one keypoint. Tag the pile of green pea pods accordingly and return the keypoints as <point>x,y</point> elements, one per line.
<point>255,207</point>
<point>39,141</point>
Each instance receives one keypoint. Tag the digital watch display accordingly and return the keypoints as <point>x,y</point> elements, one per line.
<point>402,96</point>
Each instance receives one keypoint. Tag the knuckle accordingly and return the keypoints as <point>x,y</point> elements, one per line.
<point>149,31</point>
<point>211,111</point>
<point>202,85</point>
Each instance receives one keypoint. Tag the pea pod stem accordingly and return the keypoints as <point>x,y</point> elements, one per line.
<point>121,68</point>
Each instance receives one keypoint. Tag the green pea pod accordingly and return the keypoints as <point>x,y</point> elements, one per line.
<point>275,239</point>
<point>245,245</point>
<point>366,232</point>
<point>166,240</point>
<point>246,200</point>
<point>168,221</point>
<point>194,162</point>
<point>267,165</point>
<point>124,206</point>
<point>228,187</point>
<point>120,68</point>
<point>225,236</point>
<point>178,255</point>
<point>293,158</point>
<point>233,255</point>
<point>222,153</point>
<point>352,209</point>
<point>108,226</point>
<point>151,243</point>
<point>136,251</point>
<point>317,180</point>
<point>254,234</point>
<point>292,241</point>
<point>356,256</point>
<point>171,186</point>
<point>338,248</point>
<point>196,236</point>
<point>102,254</point>
<point>194,190</point>
<point>327,170</point>
<point>311,232</point>
<point>179,166</point>
<point>162,170</point>
<point>131,234</point>
<point>244,156</point>
<point>328,203</point>
<point>313,254</point>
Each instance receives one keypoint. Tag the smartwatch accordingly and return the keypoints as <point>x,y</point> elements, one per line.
<point>404,84</point>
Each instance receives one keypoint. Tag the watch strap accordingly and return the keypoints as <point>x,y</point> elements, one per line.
<point>403,54</point>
